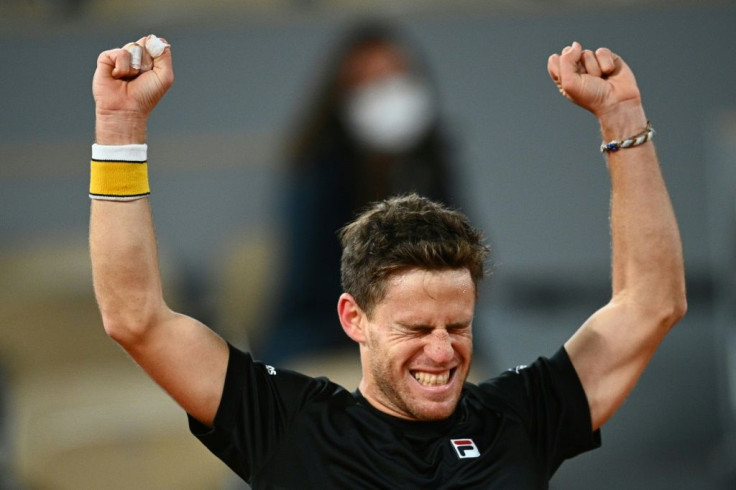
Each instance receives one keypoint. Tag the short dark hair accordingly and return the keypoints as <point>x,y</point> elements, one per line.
<point>401,233</point>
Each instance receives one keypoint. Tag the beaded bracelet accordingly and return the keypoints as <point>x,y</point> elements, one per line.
<point>119,172</point>
<point>637,140</point>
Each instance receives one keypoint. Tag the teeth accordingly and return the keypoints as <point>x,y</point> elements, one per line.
<point>428,379</point>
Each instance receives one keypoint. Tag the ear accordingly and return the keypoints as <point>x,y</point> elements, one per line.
<point>352,317</point>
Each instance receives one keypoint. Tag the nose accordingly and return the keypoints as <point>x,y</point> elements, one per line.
<point>439,347</point>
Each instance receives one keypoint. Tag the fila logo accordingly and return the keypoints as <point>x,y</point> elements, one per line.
<point>465,448</point>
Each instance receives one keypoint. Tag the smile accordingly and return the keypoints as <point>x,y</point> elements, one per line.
<point>432,379</point>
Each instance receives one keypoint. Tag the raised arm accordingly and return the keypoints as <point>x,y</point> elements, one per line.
<point>612,348</point>
<point>183,356</point>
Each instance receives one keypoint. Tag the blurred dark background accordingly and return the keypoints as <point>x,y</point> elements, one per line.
<point>77,414</point>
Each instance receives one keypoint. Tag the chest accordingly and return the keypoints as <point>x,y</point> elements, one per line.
<point>489,451</point>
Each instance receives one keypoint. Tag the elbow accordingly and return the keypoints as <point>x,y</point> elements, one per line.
<point>664,301</point>
<point>123,330</point>
<point>679,309</point>
<point>660,312</point>
<point>128,326</point>
<point>673,310</point>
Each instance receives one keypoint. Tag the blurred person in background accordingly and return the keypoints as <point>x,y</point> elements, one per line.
<point>371,130</point>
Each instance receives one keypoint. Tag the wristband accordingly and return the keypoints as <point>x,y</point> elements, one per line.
<point>637,140</point>
<point>119,172</point>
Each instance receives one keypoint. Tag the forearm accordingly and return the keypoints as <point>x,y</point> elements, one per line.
<point>647,266</point>
<point>123,246</point>
<point>125,267</point>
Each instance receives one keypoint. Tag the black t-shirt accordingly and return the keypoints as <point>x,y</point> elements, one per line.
<point>279,429</point>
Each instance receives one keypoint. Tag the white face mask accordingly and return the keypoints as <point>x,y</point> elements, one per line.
<point>391,115</point>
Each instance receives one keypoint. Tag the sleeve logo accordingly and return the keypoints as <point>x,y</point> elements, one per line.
<point>465,448</point>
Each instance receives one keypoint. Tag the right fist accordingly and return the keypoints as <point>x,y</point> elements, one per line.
<point>128,83</point>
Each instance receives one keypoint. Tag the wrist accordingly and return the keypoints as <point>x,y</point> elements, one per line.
<point>116,128</point>
<point>625,120</point>
<point>119,172</point>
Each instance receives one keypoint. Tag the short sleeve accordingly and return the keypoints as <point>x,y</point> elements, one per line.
<point>258,402</point>
<point>548,397</point>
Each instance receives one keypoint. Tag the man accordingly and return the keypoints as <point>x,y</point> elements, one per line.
<point>410,269</point>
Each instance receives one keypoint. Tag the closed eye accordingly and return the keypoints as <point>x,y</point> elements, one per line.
<point>459,328</point>
<point>422,330</point>
<point>417,330</point>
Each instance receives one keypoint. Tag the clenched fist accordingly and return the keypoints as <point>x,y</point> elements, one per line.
<point>127,85</point>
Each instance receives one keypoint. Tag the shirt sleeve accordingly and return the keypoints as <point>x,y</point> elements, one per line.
<point>549,399</point>
<point>258,402</point>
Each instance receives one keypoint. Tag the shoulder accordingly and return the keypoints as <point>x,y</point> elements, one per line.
<point>547,379</point>
<point>248,376</point>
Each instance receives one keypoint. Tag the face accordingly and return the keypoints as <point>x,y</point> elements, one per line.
<point>417,344</point>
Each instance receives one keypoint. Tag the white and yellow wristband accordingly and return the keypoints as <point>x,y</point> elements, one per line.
<point>119,172</point>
